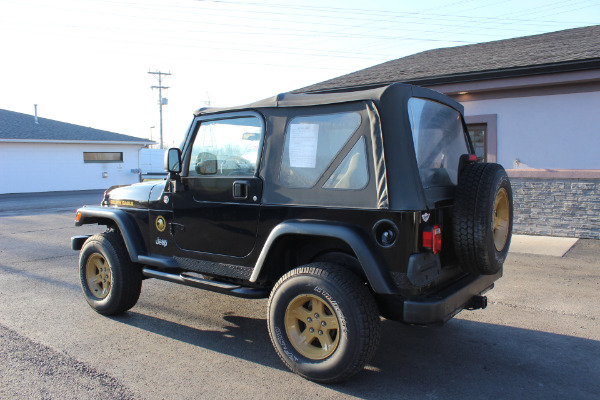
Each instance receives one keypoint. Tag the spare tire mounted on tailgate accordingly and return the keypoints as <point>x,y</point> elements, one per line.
<point>483,214</point>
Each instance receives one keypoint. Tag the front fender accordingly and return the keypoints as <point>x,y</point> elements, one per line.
<point>125,222</point>
<point>379,278</point>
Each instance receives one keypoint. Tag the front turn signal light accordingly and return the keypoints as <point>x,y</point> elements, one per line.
<point>78,216</point>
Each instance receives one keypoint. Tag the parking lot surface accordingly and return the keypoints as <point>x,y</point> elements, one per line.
<point>539,338</point>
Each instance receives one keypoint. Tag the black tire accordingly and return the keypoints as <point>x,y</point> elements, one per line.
<point>346,332</point>
<point>483,218</point>
<point>110,282</point>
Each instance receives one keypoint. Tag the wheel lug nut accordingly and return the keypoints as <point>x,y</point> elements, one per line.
<point>323,323</point>
<point>311,330</point>
<point>320,332</point>
<point>316,315</point>
<point>309,319</point>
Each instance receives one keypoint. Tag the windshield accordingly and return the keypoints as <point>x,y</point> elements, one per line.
<point>439,141</point>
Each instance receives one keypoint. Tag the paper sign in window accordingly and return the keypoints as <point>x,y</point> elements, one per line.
<point>303,145</point>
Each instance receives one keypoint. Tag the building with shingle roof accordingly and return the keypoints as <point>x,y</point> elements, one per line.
<point>21,127</point>
<point>41,154</point>
<point>564,51</point>
<point>532,104</point>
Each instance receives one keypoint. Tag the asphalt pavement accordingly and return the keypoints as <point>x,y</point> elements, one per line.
<point>47,202</point>
<point>539,338</point>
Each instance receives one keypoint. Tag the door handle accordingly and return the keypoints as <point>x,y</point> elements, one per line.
<point>240,190</point>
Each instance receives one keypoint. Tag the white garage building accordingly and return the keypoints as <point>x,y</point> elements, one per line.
<point>42,155</point>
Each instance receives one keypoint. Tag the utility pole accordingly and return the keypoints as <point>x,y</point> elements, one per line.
<point>161,101</point>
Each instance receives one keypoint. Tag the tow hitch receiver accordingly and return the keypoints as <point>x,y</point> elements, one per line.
<point>477,302</point>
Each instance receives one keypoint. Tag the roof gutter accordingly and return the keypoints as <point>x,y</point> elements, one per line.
<point>74,141</point>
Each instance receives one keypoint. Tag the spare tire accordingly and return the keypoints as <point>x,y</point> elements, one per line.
<point>482,218</point>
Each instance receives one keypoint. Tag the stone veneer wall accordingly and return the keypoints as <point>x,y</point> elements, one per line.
<point>557,207</point>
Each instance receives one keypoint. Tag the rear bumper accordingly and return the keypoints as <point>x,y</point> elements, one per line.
<point>438,307</point>
<point>444,305</point>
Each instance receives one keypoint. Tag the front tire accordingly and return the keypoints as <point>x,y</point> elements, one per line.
<point>110,282</point>
<point>323,322</point>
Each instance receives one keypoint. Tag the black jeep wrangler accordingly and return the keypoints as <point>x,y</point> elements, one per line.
<point>338,207</point>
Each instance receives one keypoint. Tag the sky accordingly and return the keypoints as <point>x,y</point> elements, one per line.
<point>86,62</point>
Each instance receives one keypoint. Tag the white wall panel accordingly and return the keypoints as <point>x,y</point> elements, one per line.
<point>559,131</point>
<point>44,167</point>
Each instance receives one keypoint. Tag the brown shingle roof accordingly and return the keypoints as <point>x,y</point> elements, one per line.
<point>572,48</point>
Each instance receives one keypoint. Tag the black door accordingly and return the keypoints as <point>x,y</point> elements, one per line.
<point>217,211</point>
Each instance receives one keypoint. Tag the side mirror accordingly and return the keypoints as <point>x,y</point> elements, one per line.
<point>173,160</point>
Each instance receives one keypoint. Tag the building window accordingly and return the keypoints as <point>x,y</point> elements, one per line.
<point>478,133</point>
<point>483,130</point>
<point>102,157</point>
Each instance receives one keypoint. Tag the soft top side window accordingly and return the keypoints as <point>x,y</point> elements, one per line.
<point>311,145</point>
<point>353,171</point>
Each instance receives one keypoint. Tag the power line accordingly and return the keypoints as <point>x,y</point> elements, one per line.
<point>381,40</point>
<point>426,17</point>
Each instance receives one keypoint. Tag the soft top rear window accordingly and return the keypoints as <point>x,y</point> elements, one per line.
<point>439,140</point>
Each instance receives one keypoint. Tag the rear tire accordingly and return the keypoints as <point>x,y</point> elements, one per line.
<point>483,218</point>
<point>110,282</point>
<point>323,322</point>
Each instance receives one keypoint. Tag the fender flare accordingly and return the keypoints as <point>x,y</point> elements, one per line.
<point>379,279</point>
<point>129,229</point>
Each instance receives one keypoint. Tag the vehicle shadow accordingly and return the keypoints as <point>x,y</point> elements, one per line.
<point>467,359</point>
<point>242,337</point>
<point>462,359</point>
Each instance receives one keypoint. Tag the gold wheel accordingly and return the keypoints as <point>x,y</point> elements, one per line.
<point>501,218</point>
<point>312,327</point>
<point>98,275</point>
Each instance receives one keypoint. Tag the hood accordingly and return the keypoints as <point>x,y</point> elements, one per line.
<point>132,196</point>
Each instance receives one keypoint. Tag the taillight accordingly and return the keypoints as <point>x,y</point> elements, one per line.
<point>433,239</point>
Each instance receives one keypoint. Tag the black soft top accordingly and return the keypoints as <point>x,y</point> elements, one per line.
<point>384,93</point>
<point>397,184</point>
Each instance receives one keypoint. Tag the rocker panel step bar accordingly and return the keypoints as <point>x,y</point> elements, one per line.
<point>214,286</point>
